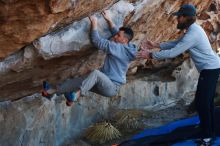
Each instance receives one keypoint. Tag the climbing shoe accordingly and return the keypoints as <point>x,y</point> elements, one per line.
<point>71,97</point>
<point>46,87</point>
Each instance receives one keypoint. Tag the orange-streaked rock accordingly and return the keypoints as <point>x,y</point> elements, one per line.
<point>26,20</point>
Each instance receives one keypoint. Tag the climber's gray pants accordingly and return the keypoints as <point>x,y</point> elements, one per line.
<point>96,82</point>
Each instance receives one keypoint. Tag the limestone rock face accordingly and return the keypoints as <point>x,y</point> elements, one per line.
<point>67,51</point>
<point>43,122</point>
<point>75,37</point>
<point>153,91</point>
<point>49,40</point>
<point>26,20</point>
<point>36,121</point>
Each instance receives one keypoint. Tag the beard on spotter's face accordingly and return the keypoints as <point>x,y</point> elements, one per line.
<point>182,26</point>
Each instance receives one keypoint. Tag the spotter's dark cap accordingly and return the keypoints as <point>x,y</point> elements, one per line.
<point>186,10</point>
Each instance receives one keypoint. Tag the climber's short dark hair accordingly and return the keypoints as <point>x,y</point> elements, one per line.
<point>128,32</point>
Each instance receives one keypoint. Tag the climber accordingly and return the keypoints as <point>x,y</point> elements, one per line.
<point>207,62</point>
<point>106,81</point>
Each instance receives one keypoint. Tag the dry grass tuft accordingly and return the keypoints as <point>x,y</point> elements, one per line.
<point>130,119</point>
<point>102,132</point>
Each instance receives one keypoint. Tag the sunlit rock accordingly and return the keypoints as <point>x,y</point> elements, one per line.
<point>76,36</point>
<point>50,41</point>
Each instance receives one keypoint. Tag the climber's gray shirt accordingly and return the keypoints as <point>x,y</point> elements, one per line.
<point>118,56</point>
